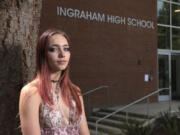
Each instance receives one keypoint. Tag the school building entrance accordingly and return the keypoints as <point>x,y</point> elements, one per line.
<point>168,49</point>
<point>169,75</point>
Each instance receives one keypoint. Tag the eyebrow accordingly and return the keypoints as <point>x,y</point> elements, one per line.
<point>57,45</point>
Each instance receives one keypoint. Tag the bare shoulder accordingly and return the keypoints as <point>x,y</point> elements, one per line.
<point>29,104</point>
<point>79,92</point>
<point>29,96</point>
<point>30,90</point>
<point>78,88</point>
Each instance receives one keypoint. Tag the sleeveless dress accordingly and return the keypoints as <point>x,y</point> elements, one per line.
<point>52,122</point>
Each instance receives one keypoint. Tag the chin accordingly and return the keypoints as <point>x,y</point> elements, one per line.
<point>59,68</point>
<point>62,68</point>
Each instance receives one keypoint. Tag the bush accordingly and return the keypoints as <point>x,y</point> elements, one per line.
<point>136,128</point>
<point>166,124</point>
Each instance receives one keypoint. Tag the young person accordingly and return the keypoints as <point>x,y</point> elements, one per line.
<point>51,104</point>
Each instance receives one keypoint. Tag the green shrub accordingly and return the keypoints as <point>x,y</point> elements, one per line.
<point>167,124</point>
<point>136,129</point>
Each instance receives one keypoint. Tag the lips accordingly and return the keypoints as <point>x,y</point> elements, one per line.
<point>61,62</point>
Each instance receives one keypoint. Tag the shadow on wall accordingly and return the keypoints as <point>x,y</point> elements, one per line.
<point>10,85</point>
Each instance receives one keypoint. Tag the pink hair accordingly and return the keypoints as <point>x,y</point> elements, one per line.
<point>69,90</point>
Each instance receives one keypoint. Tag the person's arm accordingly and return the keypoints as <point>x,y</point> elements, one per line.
<point>29,111</point>
<point>84,130</point>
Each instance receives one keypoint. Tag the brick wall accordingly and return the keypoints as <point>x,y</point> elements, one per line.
<point>110,54</point>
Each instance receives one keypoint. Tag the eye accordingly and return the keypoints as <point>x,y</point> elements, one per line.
<point>52,49</point>
<point>67,49</point>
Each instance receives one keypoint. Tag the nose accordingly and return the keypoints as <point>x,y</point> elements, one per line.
<point>61,53</point>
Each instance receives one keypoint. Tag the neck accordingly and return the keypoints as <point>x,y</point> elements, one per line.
<point>55,75</point>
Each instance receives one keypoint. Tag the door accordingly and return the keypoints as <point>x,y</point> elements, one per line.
<point>175,70</point>
<point>164,76</point>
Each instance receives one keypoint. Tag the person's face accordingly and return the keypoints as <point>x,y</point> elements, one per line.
<point>58,53</point>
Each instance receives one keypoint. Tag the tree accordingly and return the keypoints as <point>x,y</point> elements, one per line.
<point>18,34</point>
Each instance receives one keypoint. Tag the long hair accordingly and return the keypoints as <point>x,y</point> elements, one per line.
<point>68,89</point>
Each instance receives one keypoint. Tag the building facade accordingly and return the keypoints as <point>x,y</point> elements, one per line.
<point>168,48</point>
<point>130,46</point>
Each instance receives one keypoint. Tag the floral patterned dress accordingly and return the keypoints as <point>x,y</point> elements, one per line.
<point>52,122</point>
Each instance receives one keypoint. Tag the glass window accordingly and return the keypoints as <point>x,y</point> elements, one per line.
<point>176,39</point>
<point>163,61</point>
<point>163,12</point>
<point>175,15</point>
<point>176,0</point>
<point>163,37</point>
<point>175,75</point>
